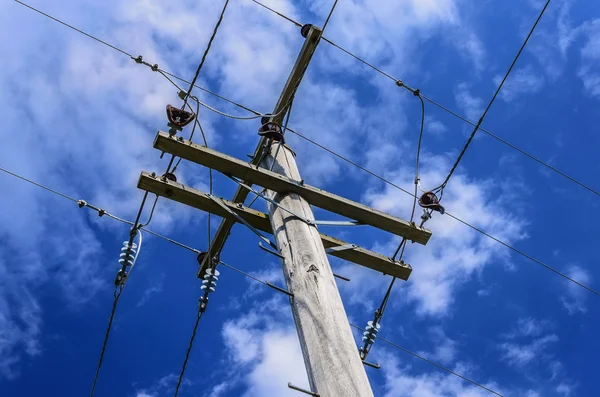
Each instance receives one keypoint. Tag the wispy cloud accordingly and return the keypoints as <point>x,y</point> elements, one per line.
<point>574,299</point>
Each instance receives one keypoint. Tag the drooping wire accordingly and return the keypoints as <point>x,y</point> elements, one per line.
<point>117,295</point>
<point>378,315</point>
<point>210,41</point>
<point>444,108</point>
<point>480,121</point>
<point>420,357</point>
<point>375,68</point>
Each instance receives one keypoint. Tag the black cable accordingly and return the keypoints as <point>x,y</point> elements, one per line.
<point>278,13</point>
<point>432,363</point>
<point>480,121</point>
<point>329,16</point>
<point>117,295</point>
<point>442,107</point>
<point>38,185</point>
<point>212,37</point>
<point>201,309</point>
<point>74,28</point>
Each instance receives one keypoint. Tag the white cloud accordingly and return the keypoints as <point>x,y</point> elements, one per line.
<point>455,253</point>
<point>155,287</point>
<point>471,105</point>
<point>401,381</point>
<point>589,72</point>
<point>575,297</point>
<point>525,80</point>
<point>266,347</point>
<point>522,354</point>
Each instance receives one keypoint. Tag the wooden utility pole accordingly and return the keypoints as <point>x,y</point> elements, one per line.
<point>330,354</point>
<point>332,361</point>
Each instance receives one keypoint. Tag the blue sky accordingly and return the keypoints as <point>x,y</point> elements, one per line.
<point>81,118</point>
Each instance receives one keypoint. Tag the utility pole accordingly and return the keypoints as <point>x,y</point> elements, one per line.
<point>330,354</point>
<point>332,361</point>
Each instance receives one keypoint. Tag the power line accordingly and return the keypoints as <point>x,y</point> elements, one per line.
<point>442,107</point>
<point>153,67</point>
<point>352,162</point>
<point>117,295</point>
<point>433,363</point>
<point>212,37</point>
<point>446,213</point>
<point>480,121</point>
<point>329,16</point>
<point>75,29</point>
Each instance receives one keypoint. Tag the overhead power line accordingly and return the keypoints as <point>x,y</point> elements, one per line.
<point>485,112</point>
<point>358,165</point>
<point>206,51</point>
<point>432,363</point>
<point>442,107</point>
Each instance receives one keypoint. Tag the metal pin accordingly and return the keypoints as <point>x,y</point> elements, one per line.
<point>288,293</point>
<point>310,393</point>
<point>341,277</point>
<point>368,364</point>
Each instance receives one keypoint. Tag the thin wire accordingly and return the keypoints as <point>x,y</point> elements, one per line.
<point>442,107</point>
<point>212,37</point>
<point>446,213</point>
<point>244,273</point>
<point>151,213</point>
<point>278,13</point>
<point>74,28</point>
<point>191,343</point>
<point>117,295</point>
<point>379,177</point>
<point>433,363</point>
<point>329,16</point>
<point>443,185</point>
<point>38,184</point>
<point>327,149</point>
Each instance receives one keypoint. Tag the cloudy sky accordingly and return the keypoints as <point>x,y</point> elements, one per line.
<point>81,117</point>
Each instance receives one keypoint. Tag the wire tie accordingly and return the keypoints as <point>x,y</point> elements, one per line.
<point>417,92</point>
<point>138,59</point>
<point>101,212</point>
<point>154,67</point>
<point>399,83</point>
<point>81,203</point>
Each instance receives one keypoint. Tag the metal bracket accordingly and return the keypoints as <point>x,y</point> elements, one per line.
<point>368,364</point>
<point>249,226</point>
<point>341,277</point>
<point>277,254</point>
<point>310,393</point>
<point>341,248</point>
<point>288,293</point>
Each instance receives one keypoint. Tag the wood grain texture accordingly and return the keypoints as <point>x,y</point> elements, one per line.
<point>329,350</point>
<point>198,199</point>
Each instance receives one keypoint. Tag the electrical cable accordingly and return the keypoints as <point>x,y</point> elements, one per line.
<point>480,121</point>
<point>201,309</point>
<point>432,363</point>
<point>210,41</point>
<point>278,13</point>
<point>442,107</point>
<point>117,294</point>
<point>329,16</point>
